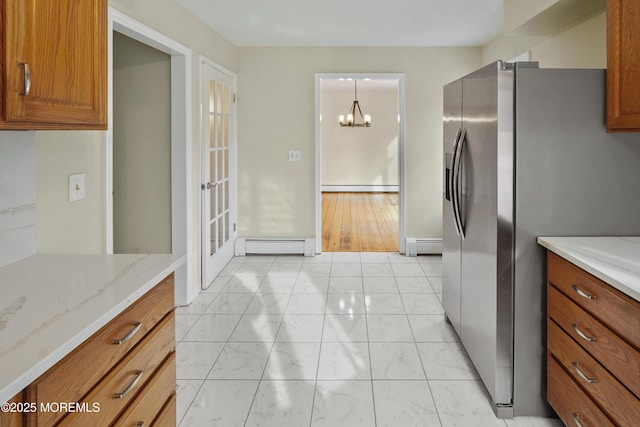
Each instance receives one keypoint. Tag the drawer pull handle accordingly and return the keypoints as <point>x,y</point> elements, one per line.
<point>576,421</point>
<point>140,424</point>
<point>576,368</point>
<point>582,334</point>
<point>582,293</point>
<point>27,78</point>
<point>130,334</point>
<point>130,386</point>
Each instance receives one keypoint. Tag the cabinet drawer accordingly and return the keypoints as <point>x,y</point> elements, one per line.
<point>167,417</point>
<point>611,306</point>
<point>622,360</point>
<point>127,378</point>
<point>13,418</point>
<point>610,395</point>
<point>149,403</point>
<point>71,378</point>
<point>569,401</point>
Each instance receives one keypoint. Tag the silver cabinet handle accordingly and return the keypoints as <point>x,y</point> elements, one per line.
<point>130,386</point>
<point>582,293</point>
<point>451,183</point>
<point>577,422</point>
<point>140,424</point>
<point>27,78</point>
<point>576,368</point>
<point>130,334</point>
<point>582,334</point>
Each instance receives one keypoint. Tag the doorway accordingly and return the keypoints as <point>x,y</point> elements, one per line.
<point>360,170</point>
<point>181,189</point>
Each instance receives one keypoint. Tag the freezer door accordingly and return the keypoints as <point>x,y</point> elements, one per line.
<point>487,189</point>
<point>451,248</point>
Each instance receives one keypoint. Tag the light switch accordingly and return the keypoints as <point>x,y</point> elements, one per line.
<point>294,155</point>
<point>76,187</point>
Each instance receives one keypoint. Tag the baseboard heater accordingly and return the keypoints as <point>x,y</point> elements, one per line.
<point>423,246</point>
<point>275,246</point>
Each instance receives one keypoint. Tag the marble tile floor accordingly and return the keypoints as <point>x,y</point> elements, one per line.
<point>340,339</point>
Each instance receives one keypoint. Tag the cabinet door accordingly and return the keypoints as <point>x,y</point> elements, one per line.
<point>62,45</point>
<point>623,65</point>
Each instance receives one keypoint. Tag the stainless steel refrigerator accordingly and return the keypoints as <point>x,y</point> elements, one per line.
<point>526,154</point>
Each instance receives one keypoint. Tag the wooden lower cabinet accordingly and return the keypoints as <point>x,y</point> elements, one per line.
<point>14,416</point>
<point>593,372</point>
<point>125,374</point>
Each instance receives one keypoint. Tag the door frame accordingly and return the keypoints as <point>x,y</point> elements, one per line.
<point>401,150</point>
<point>181,156</point>
<point>233,161</point>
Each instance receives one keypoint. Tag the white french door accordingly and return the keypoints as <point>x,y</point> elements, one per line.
<point>218,170</point>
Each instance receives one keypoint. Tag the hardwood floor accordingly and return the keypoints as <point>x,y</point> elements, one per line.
<point>359,222</point>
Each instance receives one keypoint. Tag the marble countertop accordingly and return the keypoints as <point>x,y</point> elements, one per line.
<point>615,260</point>
<point>49,304</point>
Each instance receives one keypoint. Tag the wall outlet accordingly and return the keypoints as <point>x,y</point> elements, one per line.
<point>294,155</point>
<point>76,187</point>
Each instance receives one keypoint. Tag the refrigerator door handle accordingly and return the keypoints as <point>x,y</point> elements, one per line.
<point>456,182</point>
<point>451,183</point>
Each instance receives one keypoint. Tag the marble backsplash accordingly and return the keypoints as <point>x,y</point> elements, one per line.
<point>17,195</point>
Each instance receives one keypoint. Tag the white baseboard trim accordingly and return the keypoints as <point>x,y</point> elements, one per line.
<point>275,246</point>
<point>423,246</point>
<point>360,188</point>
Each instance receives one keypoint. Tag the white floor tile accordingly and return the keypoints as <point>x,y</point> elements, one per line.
<point>268,304</point>
<point>346,303</point>
<point>463,404</point>
<point>407,270</point>
<point>311,285</point>
<point>404,403</point>
<point>282,404</point>
<point>186,391</point>
<point>257,328</point>
<point>446,361</point>
<point>389,328</point>
<point>315,270</point>
<point>346,270</point>
<point>432,269</point>
<point>184,322</point>
<point>344,361</point>
<point>383,304</point>
<point>421,304</point>
<point>344,328</point>
<point>241,361</point>
<point>380,285</point>
<point>346,257</point>
<point>436,284</point>
<point>395,361</point>
<point>293,361</point>
<point>285,269</point>
<point>253,269</point>
<point>229,304</point>
<point>414,285</point>
<point>277,284</point>
<point>243,284</point>
<point>343,404</point>
<point>323,258</point>
<point>534,422</point>
<point>221,403</point>
<point>398,258</point>
<point>258,259</point>
<point>345,284</point>
<point>217,284</point>
<point>213,327</point>
<point>374,257</point>
<point>432,328</point>
<point>307,304</point>
<point>195,359</point>
<point>198,306</point>
<point>377,270</point>
<point>301,328</point>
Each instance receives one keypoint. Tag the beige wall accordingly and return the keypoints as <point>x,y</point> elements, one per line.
<point>360,156</point>
<point>276,113</point>
<point>141,148</point>
<point>582,46</point>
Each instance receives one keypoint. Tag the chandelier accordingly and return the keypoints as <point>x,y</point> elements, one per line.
<point>353,119</point>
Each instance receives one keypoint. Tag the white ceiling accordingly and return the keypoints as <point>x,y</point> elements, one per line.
<point>352,22</point>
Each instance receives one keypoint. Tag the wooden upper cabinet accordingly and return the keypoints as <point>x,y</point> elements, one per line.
<point>623,66</point>
<point>54,64</point>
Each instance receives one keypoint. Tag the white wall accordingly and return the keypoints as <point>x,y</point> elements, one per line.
<point>17,196</point>
<point>141,148</point>
<point>360,156</point>
<point>276,113</point>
